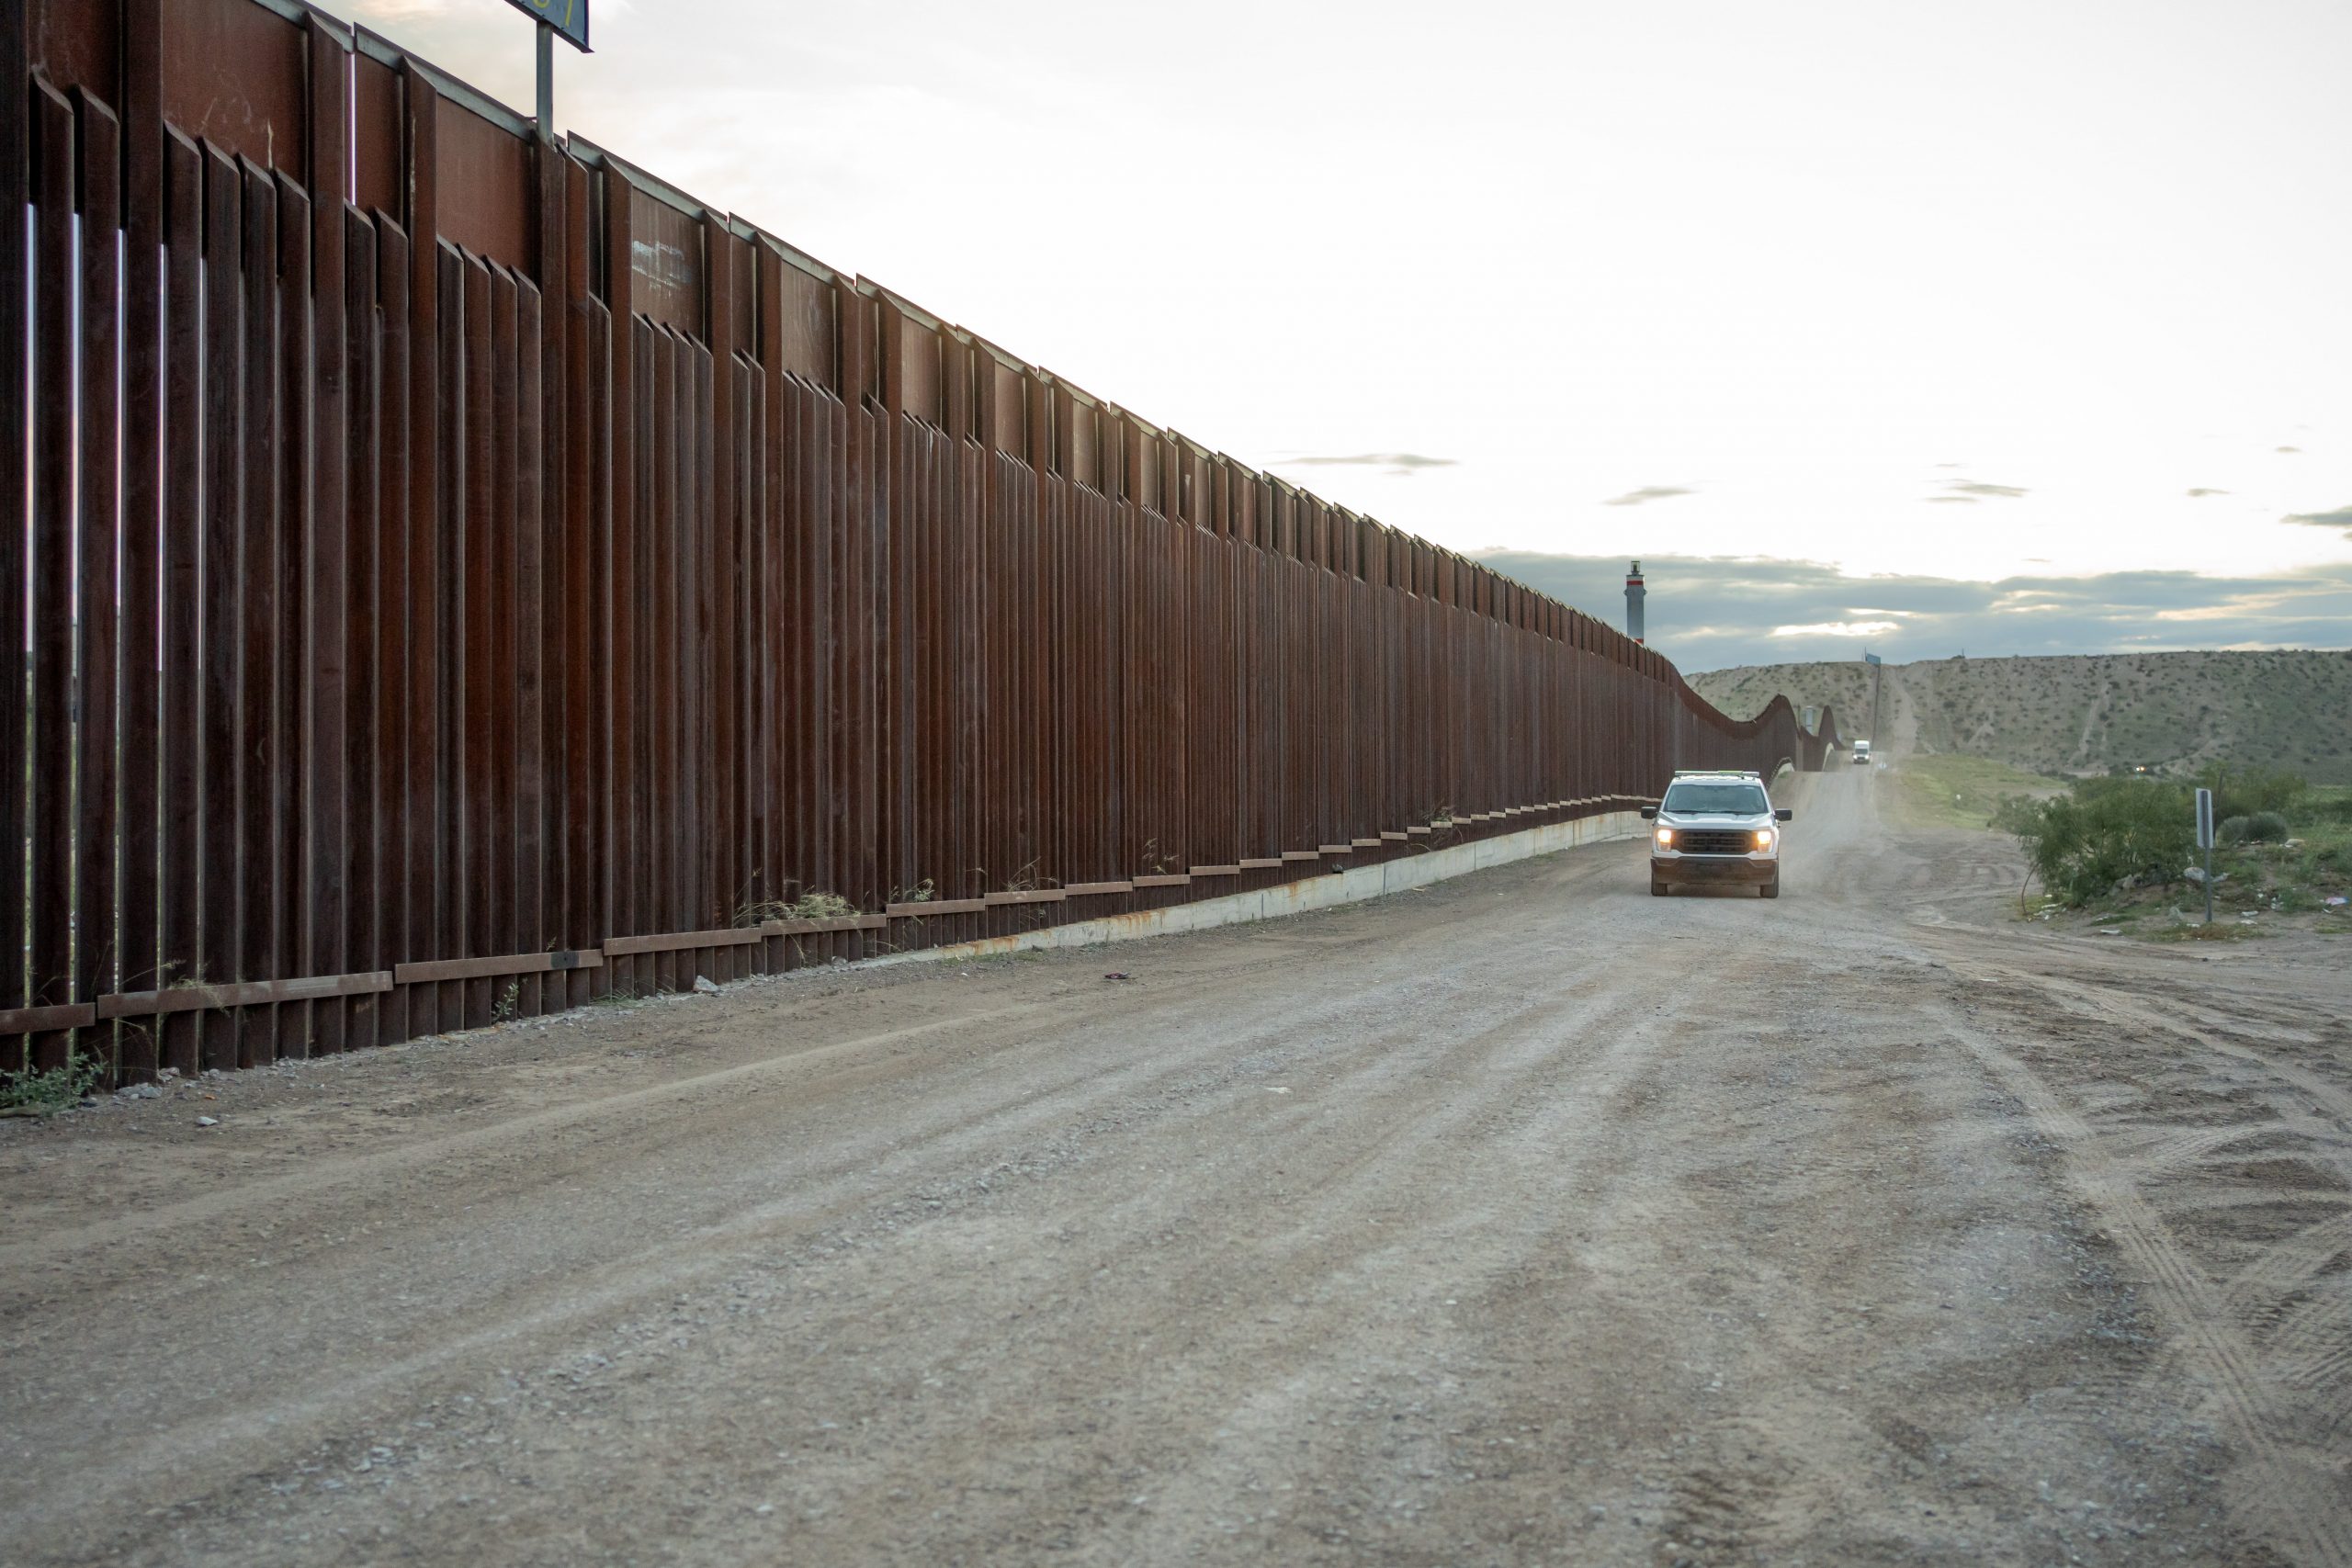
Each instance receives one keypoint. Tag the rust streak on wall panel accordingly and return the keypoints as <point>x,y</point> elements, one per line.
<point>236,77</point>
<point>484,176</point>
<point>72,43</point>
<point>376,127</point>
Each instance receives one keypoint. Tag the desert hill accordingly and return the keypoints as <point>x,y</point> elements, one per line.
<point>2084,714</point>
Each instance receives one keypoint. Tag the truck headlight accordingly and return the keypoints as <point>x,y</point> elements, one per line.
<point>1763,838</point>
<point>1665,837</point>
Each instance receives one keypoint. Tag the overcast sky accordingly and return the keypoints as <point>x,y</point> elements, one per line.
<point>1960,290</point>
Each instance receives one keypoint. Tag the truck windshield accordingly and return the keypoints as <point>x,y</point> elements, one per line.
<point>1716,799</point>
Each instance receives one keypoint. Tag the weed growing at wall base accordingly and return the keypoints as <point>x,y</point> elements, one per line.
<point>36,1093</point>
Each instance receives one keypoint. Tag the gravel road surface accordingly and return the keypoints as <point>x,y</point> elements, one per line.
<point>1525,1218</point>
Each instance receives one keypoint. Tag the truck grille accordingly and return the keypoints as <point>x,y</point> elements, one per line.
<point>1714,840</point>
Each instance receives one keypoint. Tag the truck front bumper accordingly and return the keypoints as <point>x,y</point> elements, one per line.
<point>1750,870</point>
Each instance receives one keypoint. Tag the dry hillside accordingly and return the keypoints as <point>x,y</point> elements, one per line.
<point>2085,713</point>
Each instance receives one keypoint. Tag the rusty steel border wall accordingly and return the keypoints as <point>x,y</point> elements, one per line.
<point>463,576</point>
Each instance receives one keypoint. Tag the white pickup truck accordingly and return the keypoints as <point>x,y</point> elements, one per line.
<point>1715,827</point>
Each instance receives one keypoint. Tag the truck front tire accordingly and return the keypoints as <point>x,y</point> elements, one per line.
<point>1770,889</point>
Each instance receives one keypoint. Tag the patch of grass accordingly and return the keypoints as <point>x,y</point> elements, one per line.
<point>37,1093</point>
<point>814,905</point>
<point>1949,789</point>
<point>2220,931</point>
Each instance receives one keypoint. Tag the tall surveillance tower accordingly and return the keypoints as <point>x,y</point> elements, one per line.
<point>1635,594</point>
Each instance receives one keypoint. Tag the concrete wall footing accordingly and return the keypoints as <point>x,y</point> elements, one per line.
<point>1352,886</point>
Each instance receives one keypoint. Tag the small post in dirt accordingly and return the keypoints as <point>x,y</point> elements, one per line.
<point>2205,842</point>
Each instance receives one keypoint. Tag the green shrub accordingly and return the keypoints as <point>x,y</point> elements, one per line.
<point>2082,843</point>
<point>2260,827</point>
<point>2241,790</point>
<point>36,1093</point>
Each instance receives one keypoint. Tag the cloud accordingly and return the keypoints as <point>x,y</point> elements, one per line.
<point>2339,518</point>
<point>1707,612</point>
<point>1977,487</point>
<point>1396,465</point>
<point>1952,501</point>
<point>1839,629</point>
<point>2201,492</point>
<point>2290,449</point>
<point>1648,492</point>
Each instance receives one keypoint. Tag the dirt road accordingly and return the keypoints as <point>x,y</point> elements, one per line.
<point>1525,1218</point>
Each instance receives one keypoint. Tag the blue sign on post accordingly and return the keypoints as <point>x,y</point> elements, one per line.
<point>567,18</point>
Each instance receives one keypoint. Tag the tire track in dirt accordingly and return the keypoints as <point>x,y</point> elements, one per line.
<point>2286,1487</point>
<point>2293,1294</point>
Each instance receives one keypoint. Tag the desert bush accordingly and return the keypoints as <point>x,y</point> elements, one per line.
<point>2242,790</point>
<point>36,1093</point>
<point>2082,843</point>
<point>2257,827</point>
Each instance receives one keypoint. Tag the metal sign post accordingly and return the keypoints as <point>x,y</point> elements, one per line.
<point>567,20</point>
<point>2205,842</point>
